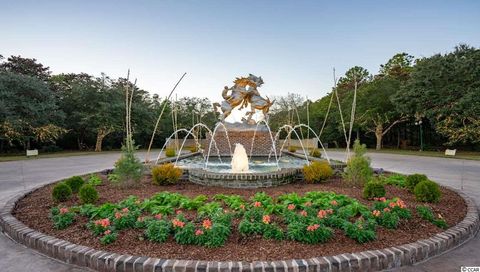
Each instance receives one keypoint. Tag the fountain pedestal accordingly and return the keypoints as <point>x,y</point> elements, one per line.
<point>244,134</point>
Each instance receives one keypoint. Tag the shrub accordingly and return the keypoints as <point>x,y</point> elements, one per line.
<point>75,183</point>
<point>170,152</point>
<point>113,177</point>
<point>292,148</point>
<point>88,194</point>
<point>373,188</point>
<point>358,170</point>
<point>158,231</point>
<point>62,217</point>
<point>166,174</point>
<point>272,231</point>
<point>128,168</point>
<point>94,180</point>
<point>317,171</point>
<point>427,191</point>
<point>61,192</point>
<point>309,234</point>
<point>388,220</point>
<point>413,180</point>
<point>315,153</point>
<point>108,237</point>
<point>396,180</point>
<point>193,149</point>
<point>359,232</point>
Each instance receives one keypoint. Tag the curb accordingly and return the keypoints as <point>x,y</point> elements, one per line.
<point>371,260</point>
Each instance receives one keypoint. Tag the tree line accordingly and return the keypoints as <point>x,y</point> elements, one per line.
<point>433,102</point>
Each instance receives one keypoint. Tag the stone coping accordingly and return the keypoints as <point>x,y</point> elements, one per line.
<point>371,260</point>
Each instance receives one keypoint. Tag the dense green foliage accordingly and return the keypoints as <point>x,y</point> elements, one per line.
<point>427,191</point>
<point>75,183</point>
<point>166,174</point>
<point>61,192</point>
<point>358,170</point>
<point>128,168</point>
<point>426,213</point>
<point>373,188</point>
<point>88,194</point>
<point>412,180</point>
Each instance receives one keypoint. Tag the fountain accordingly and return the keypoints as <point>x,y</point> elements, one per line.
<point>239,169</point>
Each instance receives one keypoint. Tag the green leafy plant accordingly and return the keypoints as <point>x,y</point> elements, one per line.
<point>361,231</point>
<point>170,152</point>
<point>166,174</point>
<point>273,231</point>
<point>88,194</point>
<point>75,183</point>
<point>129,168</point>
<point>61,192</point>
<point>158,230</point>
<point>317,171</point>
<point>388,219</point>
<point>373,188</point>
<point>412,180</point>
<point>113,178</point>
<point>358,170</point>
<point>94,180</point>
<point>427,191</point>
<point>426,213</point>
<point>308,233</point>
<point>108,237</point>
<point>396,180</point>
<point>62,217</point>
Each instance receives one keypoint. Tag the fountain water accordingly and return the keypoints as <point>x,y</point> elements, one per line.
<point>239,159</point>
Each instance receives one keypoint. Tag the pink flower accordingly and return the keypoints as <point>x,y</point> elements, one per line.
<point>257,204</point>
<point>401,204</point>
<point>386,210</point>
<point>103,222</point>
<point>383,199</point>
<point>63,210</point>
<point>291,207</point>
<point>266,219</point>
<point>329,211</point>
<point>178,212</point>
<point>158,216</point>
<point>334,202</point>
<point>322,214</point>
<point>392,204</point>
<point>118,215</point>
<point>207,224</point>
<point>303,213</point>
<point>107,232</point>
<point>198,232</point>
<point>178,223</point>
<point>140,219</point>
<point>376,213</point>
<point>125,210</point>
<point>313,227</point>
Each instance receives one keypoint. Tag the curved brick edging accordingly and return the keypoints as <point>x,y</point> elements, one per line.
<point>371,260</point>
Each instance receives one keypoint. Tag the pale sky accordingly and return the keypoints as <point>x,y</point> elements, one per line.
<point>293,45</point>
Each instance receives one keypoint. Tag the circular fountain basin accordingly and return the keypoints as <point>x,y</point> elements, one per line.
<point>262,172</point>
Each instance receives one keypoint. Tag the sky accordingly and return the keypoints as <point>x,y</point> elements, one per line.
<point>293,45</point>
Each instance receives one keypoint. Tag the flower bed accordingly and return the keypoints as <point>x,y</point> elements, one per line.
<point>292,221</point>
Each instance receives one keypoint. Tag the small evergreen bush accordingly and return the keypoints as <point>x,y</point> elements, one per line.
<point>396,180</point>
<point>170,152</point>
<point>166,174</point>
<point>315,153</point>
<point>413,180</point>
<point>75,183</point>
<point>317,171</point>
<point>128,168</point>
<point>292,149</point>
<point>94,180</point>
<point>373,188</point>
<point>61,192</point>
<point>88,194</point>
<point>427,191</point>
<point>358,170</point>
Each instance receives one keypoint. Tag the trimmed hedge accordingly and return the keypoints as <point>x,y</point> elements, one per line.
<point>427,191</point>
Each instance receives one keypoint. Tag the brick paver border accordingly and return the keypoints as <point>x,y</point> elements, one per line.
<point>371,260</point>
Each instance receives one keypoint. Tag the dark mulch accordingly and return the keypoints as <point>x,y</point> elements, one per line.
<point>33,210</point>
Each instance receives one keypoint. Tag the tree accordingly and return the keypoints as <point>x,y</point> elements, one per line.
<point>356,73</point>
<point>445,89</point>
<point>399,66</point>
<point>28,110</point>
<point>25,66</point>
<point>377,113</point>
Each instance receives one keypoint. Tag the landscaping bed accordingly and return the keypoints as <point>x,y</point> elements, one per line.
<point>34,211</point>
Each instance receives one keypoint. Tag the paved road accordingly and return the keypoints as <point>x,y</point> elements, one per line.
<point>20,175</point>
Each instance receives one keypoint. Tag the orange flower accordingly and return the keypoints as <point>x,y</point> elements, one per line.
<point>313,227</point>
<point>178,223</point>
<point>178,212</point>
<point>308,204</point>
<point>401,204</point>
<point>103,222</point>
<point>242,207</point>
<point>118,215</point>
<point>291,207</point>
<point>322,214</point>
<point>158,216</point>
<point>386,210</point>
<point>376,213</point>
<point>303,213</point>
<point>207,224</point>
<point>198,232</point>
<point>392,204</point>
<point>329,211</point>
<point>63,210</point>
<point>125,210</point>
<point>266,219</point>
<point>257,204</point>
<point>140,219</point>
<point>107,232</point>
<point>383,199</point>
<point>334,202</point>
